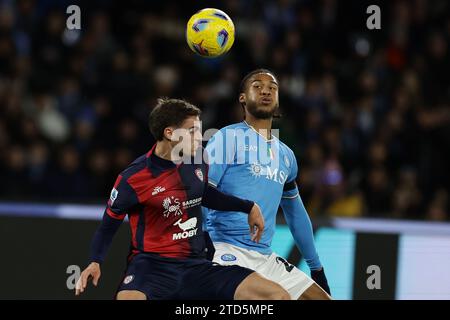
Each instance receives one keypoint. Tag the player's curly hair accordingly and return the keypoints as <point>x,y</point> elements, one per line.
<point>169,112</point>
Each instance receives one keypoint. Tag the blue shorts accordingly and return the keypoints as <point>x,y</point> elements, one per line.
<point>163,278</point>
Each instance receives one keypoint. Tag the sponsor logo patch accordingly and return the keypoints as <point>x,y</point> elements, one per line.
<point>188,227</point>
<point>113,196</point>
<point>157,190</point>
<point>171,205</point>
<point>128,279</point>
<point>192,203</point>
<point>228,257</point>
<point>286,161</point>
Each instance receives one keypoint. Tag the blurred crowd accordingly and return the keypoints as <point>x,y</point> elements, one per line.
<point>367,112</point>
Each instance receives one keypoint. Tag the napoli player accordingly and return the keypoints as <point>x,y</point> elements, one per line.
<point>162,192</point>
<point>247,160</point>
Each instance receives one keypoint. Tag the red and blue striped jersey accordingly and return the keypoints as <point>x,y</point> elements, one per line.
<point>163,204</point>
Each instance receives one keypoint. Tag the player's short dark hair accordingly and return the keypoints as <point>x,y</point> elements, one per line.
<point>243,84</point>
<point>170,112</point>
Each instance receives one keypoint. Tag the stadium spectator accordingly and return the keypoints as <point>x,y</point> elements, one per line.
<point>367,112</point>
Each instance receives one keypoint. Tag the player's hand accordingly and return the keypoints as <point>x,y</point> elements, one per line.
<point>91,272</point>
<point>319,277</point>
<point>256,223</point>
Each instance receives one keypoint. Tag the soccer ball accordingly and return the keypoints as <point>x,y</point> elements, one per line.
<point>210,33</point>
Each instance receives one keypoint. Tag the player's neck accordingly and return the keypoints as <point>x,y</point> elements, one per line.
<point>263,126</point>
<point>163,150</point>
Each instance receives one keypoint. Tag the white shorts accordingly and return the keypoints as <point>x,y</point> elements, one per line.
<point>272,267</point>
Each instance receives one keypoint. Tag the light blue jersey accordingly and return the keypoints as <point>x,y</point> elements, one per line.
<point>244,164</point>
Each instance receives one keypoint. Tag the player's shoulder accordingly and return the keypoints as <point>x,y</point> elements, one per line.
<point>134,168</point>
<point>284,148</point>
<point>234,126</point>
<point>287,154</point>
<point>227,132</point>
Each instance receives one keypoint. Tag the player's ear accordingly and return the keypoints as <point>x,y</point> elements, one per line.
<point>168,132</point>
<point>242,99</point>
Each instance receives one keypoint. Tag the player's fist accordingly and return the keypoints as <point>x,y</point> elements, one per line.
<point>256,223</point>
<point>91,272</point>
<point>319,277</point>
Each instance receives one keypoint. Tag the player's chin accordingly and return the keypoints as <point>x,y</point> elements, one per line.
<point>265,112</point>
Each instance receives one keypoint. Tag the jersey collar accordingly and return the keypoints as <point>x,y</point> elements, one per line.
<point>157,165</point>
<point>265,139</point>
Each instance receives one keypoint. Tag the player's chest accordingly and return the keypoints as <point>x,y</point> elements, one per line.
<point>174,191</point>
<point>261,165</point>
